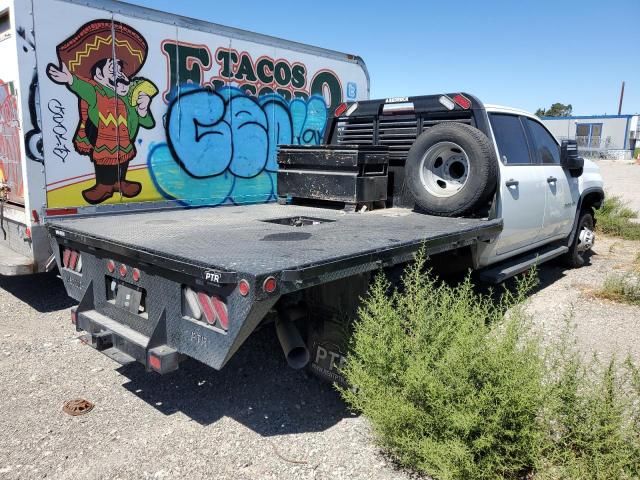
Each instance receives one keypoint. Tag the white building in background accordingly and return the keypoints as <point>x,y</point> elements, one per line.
<point>610,136</point>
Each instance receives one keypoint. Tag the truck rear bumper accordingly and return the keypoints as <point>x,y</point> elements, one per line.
<point>122,343</point>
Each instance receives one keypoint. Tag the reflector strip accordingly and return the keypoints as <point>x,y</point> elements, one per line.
<point>207,308</point>
<point>398,107</point>
<point>462,101</point>
<point>155,363</point>
<point>52,212</point>
<point>221,312</point>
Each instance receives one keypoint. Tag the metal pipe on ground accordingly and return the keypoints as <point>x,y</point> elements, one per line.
<point>294,348</point>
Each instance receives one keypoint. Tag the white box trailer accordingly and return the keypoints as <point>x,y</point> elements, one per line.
<point>194,117</point>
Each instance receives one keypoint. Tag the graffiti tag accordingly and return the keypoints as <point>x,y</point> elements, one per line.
<point>222,145</point>
<point>59,130</point>
<point>33,138</point>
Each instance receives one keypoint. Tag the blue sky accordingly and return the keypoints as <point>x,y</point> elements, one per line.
<point>525,54</point>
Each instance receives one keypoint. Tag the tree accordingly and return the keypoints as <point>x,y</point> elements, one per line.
<point>556,110</point>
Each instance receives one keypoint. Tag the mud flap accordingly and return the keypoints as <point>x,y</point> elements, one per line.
<point>333,308</point>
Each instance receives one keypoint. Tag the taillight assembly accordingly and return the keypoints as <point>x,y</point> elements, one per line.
<point>244,288</point>
<point>206,307</point>
<point>72,260</point>
<point>340,109</point>
<point>269,285</point>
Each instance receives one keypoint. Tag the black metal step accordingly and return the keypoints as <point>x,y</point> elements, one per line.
<point>521,263</point>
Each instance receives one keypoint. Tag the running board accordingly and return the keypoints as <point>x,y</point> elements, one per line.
<point>522,263</point>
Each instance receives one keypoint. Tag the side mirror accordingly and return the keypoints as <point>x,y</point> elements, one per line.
<point>569,158</point>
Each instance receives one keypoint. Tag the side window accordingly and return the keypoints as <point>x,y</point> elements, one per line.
<point>511,139</point>
<point>546,147</point>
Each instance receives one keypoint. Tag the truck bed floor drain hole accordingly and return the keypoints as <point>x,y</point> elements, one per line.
<point>77,407</point>
<point>298,221</point>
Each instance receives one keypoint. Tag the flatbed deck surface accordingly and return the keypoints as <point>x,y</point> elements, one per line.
<point>240,238</point>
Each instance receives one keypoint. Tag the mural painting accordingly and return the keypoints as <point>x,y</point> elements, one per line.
<point>10,139</point>
<point>220,118</point>
<point>112,102</point>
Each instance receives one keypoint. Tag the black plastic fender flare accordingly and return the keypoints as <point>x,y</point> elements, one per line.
<point>596,204</point>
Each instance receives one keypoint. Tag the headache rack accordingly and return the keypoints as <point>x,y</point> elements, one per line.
<point>397,125</point>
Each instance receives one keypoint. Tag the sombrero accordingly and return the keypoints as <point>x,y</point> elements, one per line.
<point>94,42</point>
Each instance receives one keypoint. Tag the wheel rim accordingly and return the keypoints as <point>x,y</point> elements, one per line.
<point>586,239</point>
<point>444,169</point>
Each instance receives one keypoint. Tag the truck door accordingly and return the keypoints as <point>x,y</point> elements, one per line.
<point>522,187</point>
<point>561,188</point>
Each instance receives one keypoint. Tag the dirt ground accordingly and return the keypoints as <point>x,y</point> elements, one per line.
<point>256,419</point>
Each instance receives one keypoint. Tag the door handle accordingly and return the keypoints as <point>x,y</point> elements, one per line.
<point>512,183</point>
<point>552,180</point>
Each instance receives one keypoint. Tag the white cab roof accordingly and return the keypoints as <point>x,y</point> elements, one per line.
<point>512,111</point>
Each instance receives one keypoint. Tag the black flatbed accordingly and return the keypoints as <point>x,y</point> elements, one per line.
<point>242,239</point>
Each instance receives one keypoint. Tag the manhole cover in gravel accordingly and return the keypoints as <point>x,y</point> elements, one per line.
<point>77,407</point>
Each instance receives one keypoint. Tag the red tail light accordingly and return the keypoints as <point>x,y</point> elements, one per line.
<point>72,260</point>
<point>66,255</point>
<point>155,362</point>
<point>340,109</point>
<point>221,312</point>
<point>462,101</point>
<point>202,304</point>
<point>136,275</point>
<point>207,308</point>
<point>244,288</point>
<point>270,285</point>
<point>111,266</point>
<point>123,270</point>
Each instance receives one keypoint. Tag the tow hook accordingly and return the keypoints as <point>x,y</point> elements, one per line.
<point>586,240</point>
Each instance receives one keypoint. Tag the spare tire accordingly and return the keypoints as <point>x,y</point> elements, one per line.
<point>451,169</point>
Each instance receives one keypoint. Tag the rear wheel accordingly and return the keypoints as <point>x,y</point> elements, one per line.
<point>583,240</point>
<point>451,169</point>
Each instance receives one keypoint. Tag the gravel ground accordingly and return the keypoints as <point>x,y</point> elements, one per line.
<point>622,178</point>
<point>255,419</point>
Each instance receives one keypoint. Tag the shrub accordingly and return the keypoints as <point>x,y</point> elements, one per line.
<point>615,218</point>
<point>450,388</point>
<point>621,288</point>
<point>457,386</point>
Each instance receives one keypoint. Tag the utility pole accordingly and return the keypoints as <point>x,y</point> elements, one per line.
<point>621,97</point>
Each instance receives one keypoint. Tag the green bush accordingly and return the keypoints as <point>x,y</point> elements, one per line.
<point>456,389</point>
<point>615,218</point>
<point>450,388</point>
<point>621,288</point>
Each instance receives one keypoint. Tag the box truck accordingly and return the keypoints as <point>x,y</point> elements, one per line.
<point>68,144</point>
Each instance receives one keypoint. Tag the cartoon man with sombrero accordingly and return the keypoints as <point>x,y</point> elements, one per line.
<point>113,103</point>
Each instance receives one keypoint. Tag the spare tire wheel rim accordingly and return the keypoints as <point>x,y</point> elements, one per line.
<point>444,169</point>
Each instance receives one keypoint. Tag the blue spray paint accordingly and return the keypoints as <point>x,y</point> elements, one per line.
<point>222,146</point>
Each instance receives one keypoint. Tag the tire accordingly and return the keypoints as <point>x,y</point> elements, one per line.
<point>451,170</point>
<point>578,253</point>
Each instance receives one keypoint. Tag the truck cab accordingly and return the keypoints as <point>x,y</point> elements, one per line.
<point>537,197</point>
